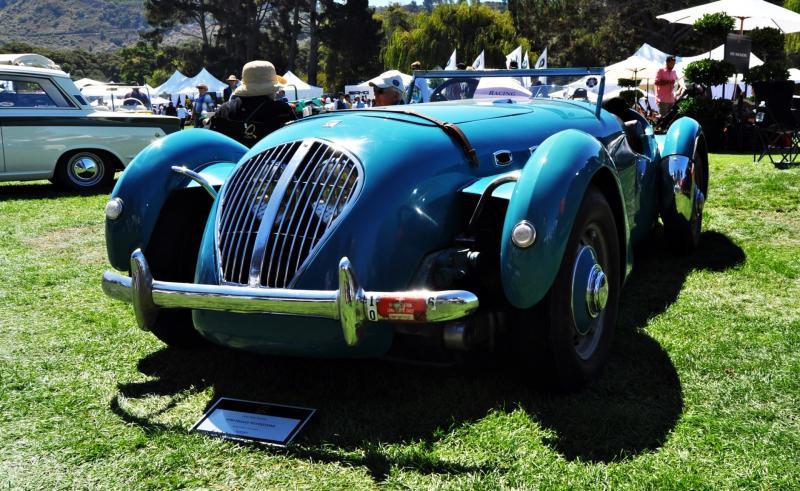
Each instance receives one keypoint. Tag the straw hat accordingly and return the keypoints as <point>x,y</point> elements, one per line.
<point>232,78</point>
<point>259,78</point>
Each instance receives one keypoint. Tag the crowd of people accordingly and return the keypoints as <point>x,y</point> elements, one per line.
<point>256,105</point>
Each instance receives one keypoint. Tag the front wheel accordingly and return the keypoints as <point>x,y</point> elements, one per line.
<point>572,345</point>
<point>84,171</point>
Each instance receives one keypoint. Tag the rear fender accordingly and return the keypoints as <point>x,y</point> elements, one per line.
<point>149,180</point>
<point>682,143</point>
<point>548,194</point>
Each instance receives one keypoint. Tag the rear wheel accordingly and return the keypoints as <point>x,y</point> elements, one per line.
<point>84,171</point>
<point>580,312</point>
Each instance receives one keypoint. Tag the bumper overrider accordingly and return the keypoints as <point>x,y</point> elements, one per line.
<point>350,304</point>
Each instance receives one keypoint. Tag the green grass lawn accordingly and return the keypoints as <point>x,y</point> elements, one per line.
<point>702,391</point>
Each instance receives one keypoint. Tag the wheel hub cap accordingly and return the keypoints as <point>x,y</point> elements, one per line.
<point>589,289</point>
<point>596,291</point>
<point>85,168</point>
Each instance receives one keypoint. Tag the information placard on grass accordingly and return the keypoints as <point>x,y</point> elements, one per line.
<point>251,421</point>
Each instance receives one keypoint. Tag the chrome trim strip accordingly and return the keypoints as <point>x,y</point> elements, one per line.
<point>487,193</point>
<point>350,304</point>
<point>194,176</point>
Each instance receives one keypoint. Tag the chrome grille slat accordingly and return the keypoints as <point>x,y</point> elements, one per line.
<point>321,170</point>
<point>291,189</point>
<point>309,221</point>
<point>267,180</point>
<point>296,197</point>
<point>237,215</point>
<point>277,207</point>
<point>306,210</point>
<point>240,213</point>
<point>231,210</point>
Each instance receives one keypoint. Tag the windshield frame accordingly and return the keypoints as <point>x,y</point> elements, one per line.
<point>543,72</point>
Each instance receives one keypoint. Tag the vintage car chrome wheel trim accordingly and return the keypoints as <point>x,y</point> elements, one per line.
<point>590,292</point>
<point>85,169</point>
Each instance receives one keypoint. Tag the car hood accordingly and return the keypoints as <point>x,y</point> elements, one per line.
<point>409,203</point>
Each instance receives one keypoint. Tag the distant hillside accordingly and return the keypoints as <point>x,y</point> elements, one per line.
<point>95,25</point>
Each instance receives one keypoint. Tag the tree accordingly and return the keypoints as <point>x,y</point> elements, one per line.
<point>137,63</point>
<point>469,29</point>
<point>352,38</point>
<point>595,33</point>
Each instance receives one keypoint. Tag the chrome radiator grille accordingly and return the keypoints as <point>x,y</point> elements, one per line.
<point>276,208</point>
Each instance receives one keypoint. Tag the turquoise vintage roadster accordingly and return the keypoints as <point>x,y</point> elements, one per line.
<point>484,223</point>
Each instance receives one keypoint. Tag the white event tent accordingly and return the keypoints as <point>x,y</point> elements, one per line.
<point>646,61</point>
<point>794,75</point>
<point>172,83</point>
<point>297,89</point>
<point>189,86</point>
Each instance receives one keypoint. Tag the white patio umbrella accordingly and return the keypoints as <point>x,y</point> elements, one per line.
<point>751,14</point>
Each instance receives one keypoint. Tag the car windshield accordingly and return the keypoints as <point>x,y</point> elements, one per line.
<point>572,84</point>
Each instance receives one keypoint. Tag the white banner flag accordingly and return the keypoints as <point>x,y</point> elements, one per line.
<point>542,63</point>
<point>526,81</point>
<point>451,63</point>
<point>479,63</point>
<point>515,55</point>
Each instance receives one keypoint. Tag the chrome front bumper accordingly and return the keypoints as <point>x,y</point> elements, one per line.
<point>350,304</point>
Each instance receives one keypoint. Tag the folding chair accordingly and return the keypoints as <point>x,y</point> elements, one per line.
<point>777,124</point>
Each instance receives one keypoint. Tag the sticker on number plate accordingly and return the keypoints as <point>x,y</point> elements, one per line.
<point>402,309</point>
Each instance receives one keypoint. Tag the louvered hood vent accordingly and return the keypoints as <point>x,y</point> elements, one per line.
<point>278,206</point>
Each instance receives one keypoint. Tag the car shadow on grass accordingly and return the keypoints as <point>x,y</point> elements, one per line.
<point>44,190</point>
<point>363,404</point>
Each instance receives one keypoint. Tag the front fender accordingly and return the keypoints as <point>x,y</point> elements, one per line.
<point>148,181</point>
<point>548,194</point>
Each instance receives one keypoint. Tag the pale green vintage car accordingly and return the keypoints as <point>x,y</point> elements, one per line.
<point>49,131</point>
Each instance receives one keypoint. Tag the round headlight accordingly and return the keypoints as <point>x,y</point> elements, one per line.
<point>113,208</point>
<point>523,235</point>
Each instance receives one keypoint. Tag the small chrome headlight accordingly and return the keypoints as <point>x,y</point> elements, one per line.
<point>524,234</point>
<point>113,208</point>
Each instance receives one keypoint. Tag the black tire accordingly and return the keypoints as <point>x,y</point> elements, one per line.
<point>172,256</point>
<point>682,236</point>
<point>560,356</point>
<point>85,171</point>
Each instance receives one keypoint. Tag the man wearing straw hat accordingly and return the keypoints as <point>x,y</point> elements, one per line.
<point>252,113</point>
<point>202,105</point>
<point>232,81</point>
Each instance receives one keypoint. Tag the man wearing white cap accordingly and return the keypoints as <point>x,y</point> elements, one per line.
<point>388,88</point>
<point>252,113</point>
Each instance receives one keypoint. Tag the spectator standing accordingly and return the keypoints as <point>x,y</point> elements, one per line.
<point>665,86</point>
<point>170,110</point>
<point>421,91</point>
<point>388,88</point>
<point>341,103</point>
<point>232,82</point>
<point>181,114</point>
<point>202,104</point>
<point>253,111</point>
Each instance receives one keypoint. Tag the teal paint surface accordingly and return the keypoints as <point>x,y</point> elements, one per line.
<point>148,181</point>
<point>548,194</point>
